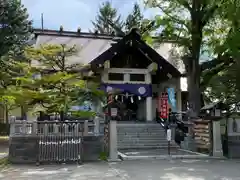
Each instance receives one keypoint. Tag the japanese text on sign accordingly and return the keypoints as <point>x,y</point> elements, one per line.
<point>163,105</point>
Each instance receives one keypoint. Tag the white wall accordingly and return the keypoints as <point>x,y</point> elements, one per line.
<point>17,112</point>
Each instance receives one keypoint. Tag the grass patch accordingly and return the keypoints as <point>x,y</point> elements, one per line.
<point>4,162</point>
<point>4,140</point>
<point>103,156</point>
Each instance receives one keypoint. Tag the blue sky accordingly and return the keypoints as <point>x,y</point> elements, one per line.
<point>72,14</point>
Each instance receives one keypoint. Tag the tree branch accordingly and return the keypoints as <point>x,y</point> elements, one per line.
<point>208,14</point>
<point>212,68</point>
<point>181,41</point>
<point>185,4</point>
<point>173,18</point>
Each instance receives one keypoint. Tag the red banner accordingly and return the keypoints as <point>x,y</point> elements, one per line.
<point>163,105</point>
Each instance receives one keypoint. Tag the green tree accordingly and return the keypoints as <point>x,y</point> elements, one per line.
<point>106,13</point>
<point>220,76</point>
<point>188,24</point>
<point>10,70</point>
<point>14,26</point>
<point>134,19</point>
<point>14,34</point>
<point>53,84</point>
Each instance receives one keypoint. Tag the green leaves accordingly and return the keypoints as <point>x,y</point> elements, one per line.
<point>15,26</point>
<point>199,27</point>
<point>59,86</point>
<point>134,19</point>
<point>107,12</point>
<point>223,79</point>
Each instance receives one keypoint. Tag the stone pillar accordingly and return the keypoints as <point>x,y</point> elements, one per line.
<point>113,153</point>
<point>149,111</point>
<point>216,139</point>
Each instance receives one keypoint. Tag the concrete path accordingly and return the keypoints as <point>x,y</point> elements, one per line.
<point>134,170</point>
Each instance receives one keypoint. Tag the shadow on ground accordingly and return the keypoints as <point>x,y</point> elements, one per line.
<point>181,169</point>
<point>134,170</point>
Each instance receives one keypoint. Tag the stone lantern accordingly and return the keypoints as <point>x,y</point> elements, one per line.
<point>213,110</point>
<point>213,113</point>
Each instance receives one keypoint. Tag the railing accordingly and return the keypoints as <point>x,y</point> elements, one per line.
<point>31,128</point>
<point>54,141</point>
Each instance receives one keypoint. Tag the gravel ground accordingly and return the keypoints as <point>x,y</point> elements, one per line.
<point>134,170</point>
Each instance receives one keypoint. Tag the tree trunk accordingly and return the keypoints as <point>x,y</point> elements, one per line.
<point>193,67</point>
<point>23,113</point>
<point>194,96</point>
<point>62,114</point>
<point>6,114</point>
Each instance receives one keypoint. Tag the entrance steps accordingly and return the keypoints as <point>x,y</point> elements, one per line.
<point>142,136</point>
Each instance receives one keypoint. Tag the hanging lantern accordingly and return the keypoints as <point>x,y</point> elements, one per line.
<point>131,99</point>
<point>139,98</point>
<point>122,98</point>
<point>126,95</point>
<point>116,97</point>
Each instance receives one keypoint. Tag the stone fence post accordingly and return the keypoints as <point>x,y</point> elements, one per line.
<point>113,153</point>
<point>216,139</point>
<point>96,125</point>
<point>12,125</point>
<point>85,126</point>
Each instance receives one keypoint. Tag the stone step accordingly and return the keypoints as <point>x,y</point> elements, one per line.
<point>140,131</point>
<point>154,125</point>
<point>142,128</point>
<point>144,143</point>
<point>147,140</point>
<point>140,144</point>
<point>144,146</point>
<point>140,135</point>
<point>143,132</point>
<point>141,140</point>
<point>128,140</point>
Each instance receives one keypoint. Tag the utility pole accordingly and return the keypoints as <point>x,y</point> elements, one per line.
<point>42,21</point>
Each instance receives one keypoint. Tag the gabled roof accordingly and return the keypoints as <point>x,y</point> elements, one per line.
<point>95,47</point>
<point>148,52</point>
<point>76,34</point>
<point>90,45</point>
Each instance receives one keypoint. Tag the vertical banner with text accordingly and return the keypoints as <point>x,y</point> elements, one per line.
<point>163,105</point>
